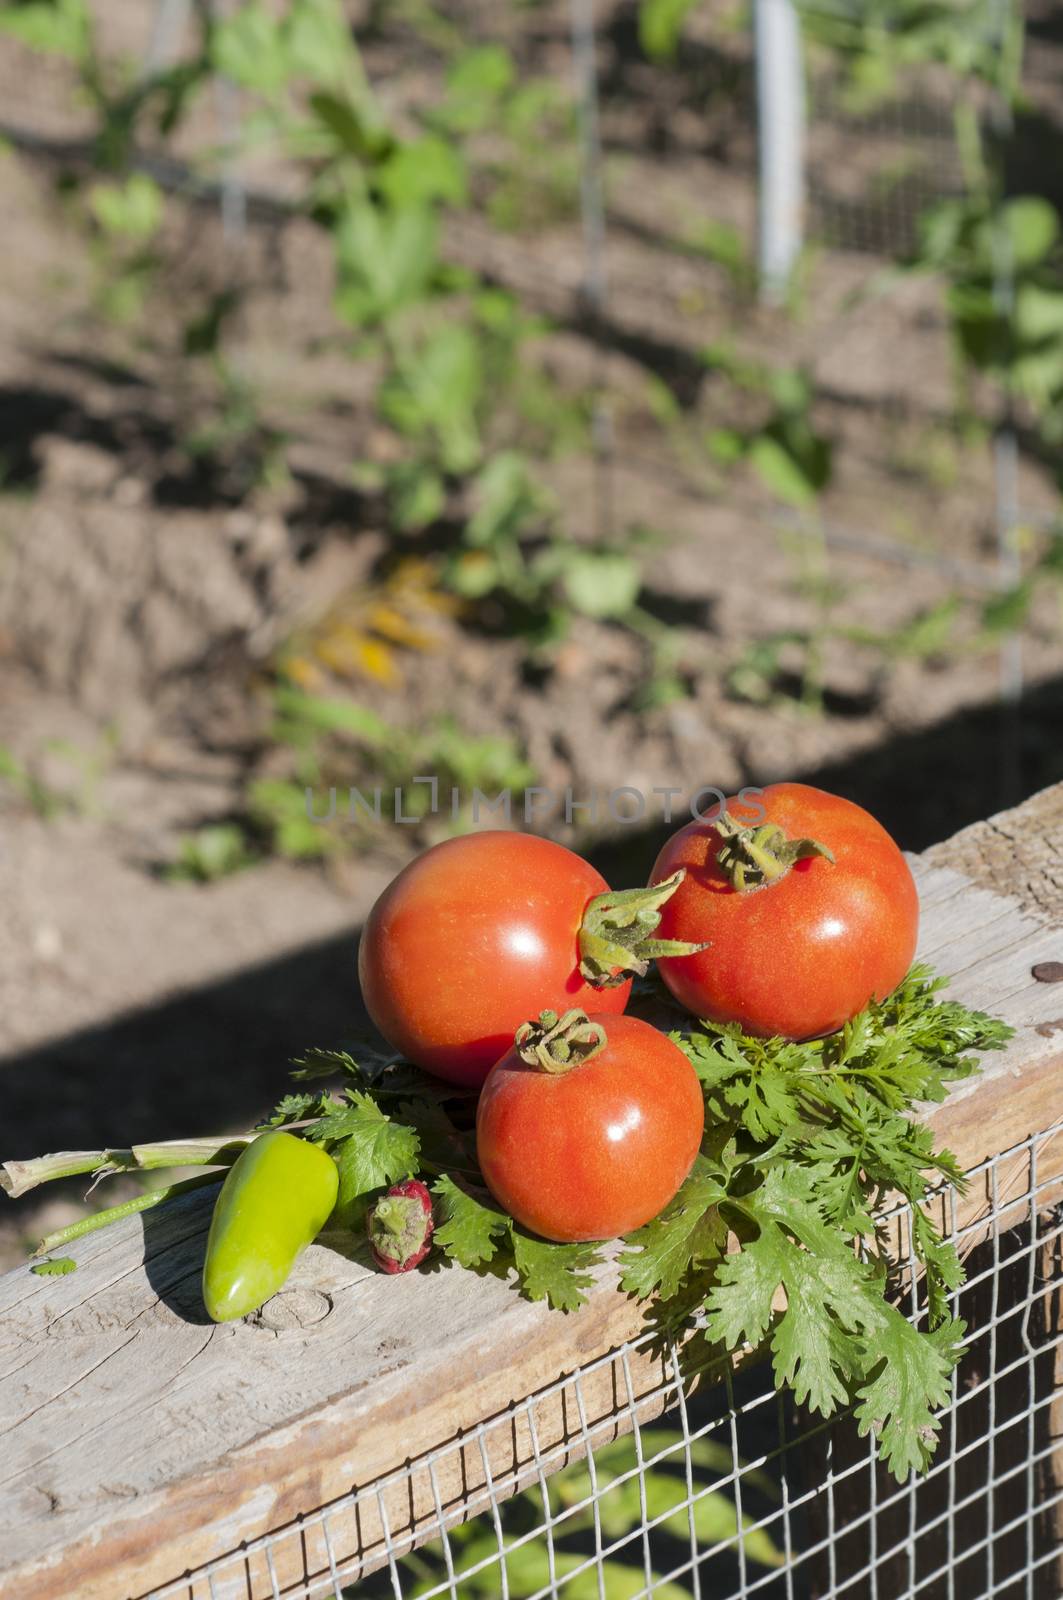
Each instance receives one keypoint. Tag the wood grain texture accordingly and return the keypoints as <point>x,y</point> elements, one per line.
<point>1018,852</point>
<point>138,1441</point>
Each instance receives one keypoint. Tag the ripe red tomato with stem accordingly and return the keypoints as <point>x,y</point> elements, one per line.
<point>481,932</point>
<point>805,913</point>
<point>588,1125</point>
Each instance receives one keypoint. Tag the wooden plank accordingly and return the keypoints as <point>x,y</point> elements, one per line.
<point>139,1442</point>
<point>1018,852</point>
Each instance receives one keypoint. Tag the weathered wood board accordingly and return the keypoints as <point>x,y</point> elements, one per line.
<point>138,1441</point>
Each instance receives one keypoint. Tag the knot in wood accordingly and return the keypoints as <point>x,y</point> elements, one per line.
<point>292,1310</point>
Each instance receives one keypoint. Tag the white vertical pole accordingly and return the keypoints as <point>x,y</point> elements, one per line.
<point>781,142</point>
<point>167,31</point>
<point>227,106</point>
<point>593,287</point>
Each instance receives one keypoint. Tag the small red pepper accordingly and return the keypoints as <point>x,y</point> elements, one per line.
<point>400,1227</point>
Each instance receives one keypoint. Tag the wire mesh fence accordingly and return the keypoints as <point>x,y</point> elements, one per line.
<point>663,1470</point>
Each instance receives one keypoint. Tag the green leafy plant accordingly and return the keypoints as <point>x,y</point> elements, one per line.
<point>338,744</point>
<point>624,1492</point>
<point>214,851</point>
<point>529,166</point>
<point>874,43</point>
<point>27,787</point>
<point>125,207</point>
<point>791,457</point>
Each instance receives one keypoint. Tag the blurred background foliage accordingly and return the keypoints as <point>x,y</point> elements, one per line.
<point>468,421</point>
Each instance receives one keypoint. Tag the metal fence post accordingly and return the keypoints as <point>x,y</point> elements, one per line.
<point>781,139</point>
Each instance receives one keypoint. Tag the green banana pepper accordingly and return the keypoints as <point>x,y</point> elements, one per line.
<point>274,1202</point>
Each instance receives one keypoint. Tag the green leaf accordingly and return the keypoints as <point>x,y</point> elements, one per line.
<point>476,84</point>
<point>369,1148</point>
<point>322,1063</point>
<point>249,48</point>
<point>783,474</point>
<point>685,1237</point>
<point>475,1233</point>
<point>424,171</point>
<point>321,715</point>
<point>725,445</point>
<point>506,500</point>
<point>131,210</point>
<point>350,129</point>
<point>1008,611</point>
<point>212,852</point>
<point>661,26</point>
<point>297,1108</point>
<point>911,1378</point>
<point>559,1273</point>
<point>944,1270</point>
<point>601,583</point>
<point>1032,228</point>
<point>280,808</point>
<point>434,394</point>
<point>416,493</point>
<point>59,27</point>
<point>54,1267</point>
<point>386,259</point>
<point>471,1230</point>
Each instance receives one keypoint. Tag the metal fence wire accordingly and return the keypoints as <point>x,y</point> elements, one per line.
<point>659,1471</point>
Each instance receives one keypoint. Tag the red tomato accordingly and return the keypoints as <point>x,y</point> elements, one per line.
<point>800,955</point>
<point>596,1149</point>
<point>473,938</point>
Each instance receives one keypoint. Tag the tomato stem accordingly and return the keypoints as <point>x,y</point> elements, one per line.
<point>616,935</point>
<point>556,1044</point>
<point>750,857</point>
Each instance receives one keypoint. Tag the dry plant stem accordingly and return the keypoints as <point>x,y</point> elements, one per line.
<point>217,1150</point>
<point>129,1208</point>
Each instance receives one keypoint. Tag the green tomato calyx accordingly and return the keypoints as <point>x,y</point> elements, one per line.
<point>556,1044</point>
<point>750,857</point>
<point>616,935</point>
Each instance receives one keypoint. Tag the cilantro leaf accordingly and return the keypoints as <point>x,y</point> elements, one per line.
<point>686,1235</point>
<point>835,1335</point>
<point>297,1108</point>
<point>54,1267</point>
<point>370,1150</point>
<point>911,1377</point>
<point>559,1273</point>
<point>476,1233</point>
<point>471,1229</point>
<point>944,1270</point>
<point>322,1063</point>
<point>743,1080</point>
<point>813,1345</point>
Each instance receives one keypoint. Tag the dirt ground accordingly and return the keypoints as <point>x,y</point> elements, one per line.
<point>142,598</point>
